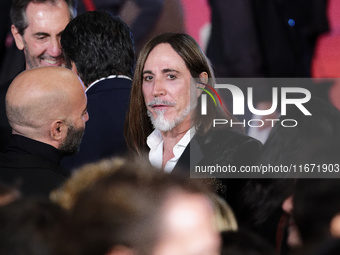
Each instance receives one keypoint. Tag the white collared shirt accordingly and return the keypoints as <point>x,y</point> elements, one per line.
<point>155,143</point>
<point>109,77</point>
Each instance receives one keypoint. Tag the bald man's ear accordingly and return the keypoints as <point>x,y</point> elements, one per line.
<point>19,40</point>
<point>58,130</point>
<point>74,68</point>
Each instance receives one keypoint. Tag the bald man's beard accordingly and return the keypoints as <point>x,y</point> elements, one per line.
<point>72,141</point>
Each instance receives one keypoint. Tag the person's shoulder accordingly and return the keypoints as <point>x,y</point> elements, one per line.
<point>18,160</point>
<point>110,84</point>
<point>231,137</point>
<point>227,147</point>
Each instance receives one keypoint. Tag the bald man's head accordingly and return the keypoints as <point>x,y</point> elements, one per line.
<point>43,103</point>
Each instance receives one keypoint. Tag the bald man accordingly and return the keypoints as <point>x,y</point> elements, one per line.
<point>47,110</point>
<point>36,29</point>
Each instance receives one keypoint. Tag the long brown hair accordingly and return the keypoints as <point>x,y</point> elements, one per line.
<point>138,125</point>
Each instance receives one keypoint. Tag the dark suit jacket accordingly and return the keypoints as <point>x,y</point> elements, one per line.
<point>107,103</point>
<point>233,47</point>
<point>32,165</point>
<point>255,38</point>
<point>222,147</point>
<point>260,39</point>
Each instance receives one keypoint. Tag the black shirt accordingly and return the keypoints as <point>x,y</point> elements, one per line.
<point>33,165</point>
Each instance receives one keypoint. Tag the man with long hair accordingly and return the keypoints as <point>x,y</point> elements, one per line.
<point>164,116</point>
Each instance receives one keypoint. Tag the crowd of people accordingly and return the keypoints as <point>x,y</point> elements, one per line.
<point>100,147</point>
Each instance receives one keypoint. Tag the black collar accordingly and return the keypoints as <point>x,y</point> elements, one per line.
<point>23,145</point>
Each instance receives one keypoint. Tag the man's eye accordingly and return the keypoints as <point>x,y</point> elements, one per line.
<point>148,78</point>
<point>172,76</point>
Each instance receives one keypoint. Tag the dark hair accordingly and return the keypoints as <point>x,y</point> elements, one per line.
<point>244,243</point>
<point>324,247</point>
<point>138,125</point>
<point>316,201</point>
<point>122,209</point>
<point>285,146</point>
<point>100,45</point>
<point>19,16</point>
<point>29,226</point>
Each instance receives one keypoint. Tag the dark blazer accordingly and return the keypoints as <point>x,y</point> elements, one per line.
<point>265,38</point>
<point>107,103</point>
<point>32,165</point>
<point>233,47</point>
<point>222,147</point>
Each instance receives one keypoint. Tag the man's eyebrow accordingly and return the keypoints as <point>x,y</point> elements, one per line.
<point>167,70</point>
<point>147,71</point>
<point>42,34</point>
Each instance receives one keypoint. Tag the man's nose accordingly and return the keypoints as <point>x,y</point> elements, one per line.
<point>159,88</point>
<point>54,49</point>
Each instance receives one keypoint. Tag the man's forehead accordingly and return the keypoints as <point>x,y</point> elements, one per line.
<point>165,67</point>
<point>165,57</point>
<point>46,15</point>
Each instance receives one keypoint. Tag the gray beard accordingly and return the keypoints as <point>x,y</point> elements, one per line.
<point>161,124</point>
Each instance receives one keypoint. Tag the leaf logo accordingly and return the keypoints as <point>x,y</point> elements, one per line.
<point>211,95</point>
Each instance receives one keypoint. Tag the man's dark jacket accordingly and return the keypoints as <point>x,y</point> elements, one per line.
<point>32,165</point>
<point>107,103</point>
<point>223,148</point>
